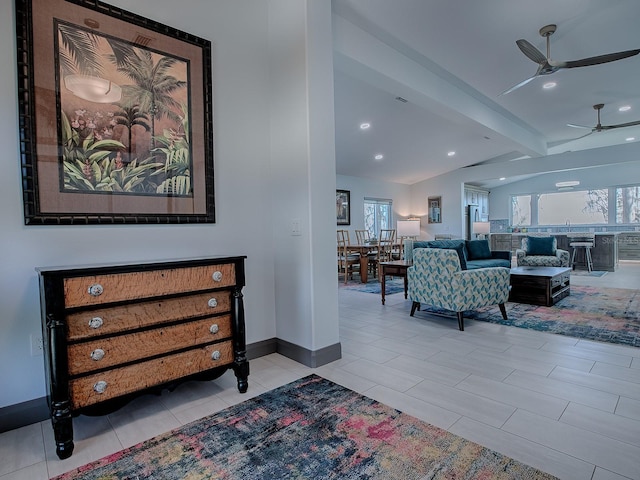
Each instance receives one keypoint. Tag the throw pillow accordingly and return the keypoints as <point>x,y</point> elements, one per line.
<point>457,245</point>
<point>478,249</point>
<point>541,246</point>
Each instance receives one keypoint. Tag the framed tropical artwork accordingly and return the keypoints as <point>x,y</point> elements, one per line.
<point>116,117</point>
<point>343,207</point>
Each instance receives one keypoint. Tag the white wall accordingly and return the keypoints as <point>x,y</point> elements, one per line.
<point>303,177</point>
<point>360,188</point>
<point>244,193</point>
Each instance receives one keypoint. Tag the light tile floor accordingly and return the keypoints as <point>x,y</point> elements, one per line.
<point>566,406</point>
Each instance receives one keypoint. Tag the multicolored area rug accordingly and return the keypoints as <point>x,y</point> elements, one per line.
<point>594,313</point>
<point>308,429</point>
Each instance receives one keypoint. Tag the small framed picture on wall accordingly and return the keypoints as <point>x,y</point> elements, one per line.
<point>343,207</point>
<point>435,209</point>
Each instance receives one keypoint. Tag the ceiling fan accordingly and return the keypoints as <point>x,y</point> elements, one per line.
<point>599,127</point>
<point>546,66</point>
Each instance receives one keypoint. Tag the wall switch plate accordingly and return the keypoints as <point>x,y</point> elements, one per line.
<point>295,227</point>
<point>37,347</point>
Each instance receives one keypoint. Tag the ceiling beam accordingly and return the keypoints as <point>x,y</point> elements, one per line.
<point>363,56</point>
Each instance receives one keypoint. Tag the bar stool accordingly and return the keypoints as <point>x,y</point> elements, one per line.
<point>586,242</point>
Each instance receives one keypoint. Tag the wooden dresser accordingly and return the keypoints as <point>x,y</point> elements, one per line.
<point>113,332</point>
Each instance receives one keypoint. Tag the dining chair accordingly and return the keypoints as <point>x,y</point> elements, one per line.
<point>386,243</point>
<point>347,259</point>
<point>363,237</point>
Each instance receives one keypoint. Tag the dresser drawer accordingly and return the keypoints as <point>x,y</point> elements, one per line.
<point>100,289</point>
<point>109,320</point>
<point>121,381</point>
<point>107,352</point>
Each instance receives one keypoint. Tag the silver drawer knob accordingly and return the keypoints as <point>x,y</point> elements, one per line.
<point>100,387</point>
<point>96,322</point>
<point>215,355</point>
<point>217,276</point>
<point>97,354</point>
<point>214,328</point>
<point>213,303</point>
<point>95,290</point>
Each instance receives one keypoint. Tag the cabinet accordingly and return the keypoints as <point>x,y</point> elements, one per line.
<point>480,198</point>
<point>629,246</point>
<point>113,332</point>
<point>501,242</point>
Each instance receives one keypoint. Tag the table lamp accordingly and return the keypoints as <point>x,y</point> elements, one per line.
<point>481,229</point>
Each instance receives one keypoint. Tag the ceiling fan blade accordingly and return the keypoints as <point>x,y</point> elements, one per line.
<point>610,57</point>
<point>578,126</point>
<point>530,51</point>
<point>620,125</point>
<point>586,135</point>
<point>521,84</point>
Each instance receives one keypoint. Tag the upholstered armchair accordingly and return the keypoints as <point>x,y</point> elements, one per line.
<point>436,279</point>
<point>537,251</point>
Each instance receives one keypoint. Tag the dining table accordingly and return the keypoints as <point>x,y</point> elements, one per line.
<point>364,249</point>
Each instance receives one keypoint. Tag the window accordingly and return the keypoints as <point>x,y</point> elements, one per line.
<point>521,210</point>
<point>584,207</point>
<point>628,204</point>
<point>377,215</point>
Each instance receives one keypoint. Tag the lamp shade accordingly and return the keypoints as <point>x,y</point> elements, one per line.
<point>408,228</point>
<point>481,228</point>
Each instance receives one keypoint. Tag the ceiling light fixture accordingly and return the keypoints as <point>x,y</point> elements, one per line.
<point>400,99</point>
<point>568,183</point>
<point>630,139</point>
<point>502,178</point>
<point>379,156</point>
<point>549,85</point>
<point>624,108</point>
<point>364,126</point>
<point>451,153</point>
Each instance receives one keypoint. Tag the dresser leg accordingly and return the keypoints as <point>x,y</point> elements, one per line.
<point>242,374</point>
<point>62,429</point>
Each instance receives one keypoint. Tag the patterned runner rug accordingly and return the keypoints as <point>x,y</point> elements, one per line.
<point>594,313</point>
<point>308,429</point>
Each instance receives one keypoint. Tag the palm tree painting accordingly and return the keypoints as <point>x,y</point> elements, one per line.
<point>124,116</point>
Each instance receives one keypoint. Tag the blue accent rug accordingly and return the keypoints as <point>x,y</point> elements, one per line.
<point>394,285</point>
<point>309,429</point>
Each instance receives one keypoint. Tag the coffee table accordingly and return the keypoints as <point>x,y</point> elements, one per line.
<point>539,285</point>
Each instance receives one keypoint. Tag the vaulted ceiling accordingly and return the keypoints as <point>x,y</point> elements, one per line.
<point>449,61</point>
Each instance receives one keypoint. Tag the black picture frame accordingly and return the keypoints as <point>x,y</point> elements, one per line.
<point>343,207</point>
<point>140,154</point>
<point>435,209</point>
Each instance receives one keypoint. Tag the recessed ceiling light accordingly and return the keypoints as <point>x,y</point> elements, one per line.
<point>502,178</point>
<point>569,183</point>
<point>379,156</point>
<point>364,126</point>
<point>624,108</point>
<point>630,139</point>
<point>549,85</point>
<point>451,154</point>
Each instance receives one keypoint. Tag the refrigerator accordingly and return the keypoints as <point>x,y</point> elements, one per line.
<point>471,214</point>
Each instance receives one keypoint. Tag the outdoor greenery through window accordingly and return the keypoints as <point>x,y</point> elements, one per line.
<point>628,204</point>
<point>620,205</point>
<point>521,210</point>
<point>581,207</point>
<point>377,215</point>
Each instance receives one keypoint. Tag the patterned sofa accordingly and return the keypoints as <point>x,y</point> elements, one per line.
<point>541,251</point>
<point>436,279</point>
